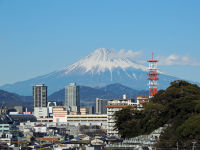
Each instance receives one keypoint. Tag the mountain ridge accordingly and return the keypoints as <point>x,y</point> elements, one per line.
<point>88,95</point>
<point>100,68</point>
<point>13,99</point>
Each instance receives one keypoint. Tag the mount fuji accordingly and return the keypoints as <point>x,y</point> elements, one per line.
<point>100,68</point>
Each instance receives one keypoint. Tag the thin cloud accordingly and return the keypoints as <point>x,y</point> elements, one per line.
<point>136,56</point>
<point>178,60</point>
<point>173,59</point>
<point>130,53</point>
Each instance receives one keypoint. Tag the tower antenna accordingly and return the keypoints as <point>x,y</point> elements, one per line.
<point>152,55</point>
<point>152,76</point>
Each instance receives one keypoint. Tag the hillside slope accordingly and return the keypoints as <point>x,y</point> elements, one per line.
<point>178,107</point>
<point>11,99</point>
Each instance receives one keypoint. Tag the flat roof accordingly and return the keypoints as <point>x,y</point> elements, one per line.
<point>119,106</point>
<point>122,99</point>
<point>143,96</point>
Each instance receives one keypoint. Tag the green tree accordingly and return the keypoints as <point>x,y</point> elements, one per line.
<point>122,121</point>
<point>178,106</point>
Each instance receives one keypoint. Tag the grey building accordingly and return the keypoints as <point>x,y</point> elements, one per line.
<point>72,98</point>
<point>101,106</point>
<point>40,101</point>
<point>19,109</point>
<point>90,109</point>
<point>40,95</point>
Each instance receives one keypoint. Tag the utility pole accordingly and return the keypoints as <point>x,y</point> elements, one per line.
<point>193,146</point>
<point>177,145</point>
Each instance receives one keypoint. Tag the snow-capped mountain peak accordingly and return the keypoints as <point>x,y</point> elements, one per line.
<point>104,59</point>
<point>100,68</point>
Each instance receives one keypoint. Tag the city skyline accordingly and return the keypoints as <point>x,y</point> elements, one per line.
<point>38,37</point>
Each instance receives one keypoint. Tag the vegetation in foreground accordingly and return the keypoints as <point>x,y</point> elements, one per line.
<point>178,107</point>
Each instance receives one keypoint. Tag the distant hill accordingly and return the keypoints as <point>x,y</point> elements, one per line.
<point>11,99</point>
<point>119,89</point>
<point>88,95</point>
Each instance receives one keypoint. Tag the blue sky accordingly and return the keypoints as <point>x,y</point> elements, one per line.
<point>38,37</point>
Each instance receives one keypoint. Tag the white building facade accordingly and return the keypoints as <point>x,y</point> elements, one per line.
<point>60,114</point>
<point>41,112</point>
<point>113,106</point>
<point>72,98</point>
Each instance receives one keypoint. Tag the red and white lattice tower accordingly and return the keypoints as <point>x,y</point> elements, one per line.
<point>152,77</point>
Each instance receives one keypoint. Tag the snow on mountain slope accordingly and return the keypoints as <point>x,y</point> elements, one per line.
<point>100,68</point>
<point>102,59</point>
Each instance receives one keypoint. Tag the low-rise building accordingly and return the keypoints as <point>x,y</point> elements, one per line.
<point>83,110</point>
<point>19,109</point>
<point>87,110</point>
<point>50,106</point>
<point>88,119</point>
<point>40,128</point>
<point>9,133</point>
<point>60,114</point>
<point>141,100</point>
<point>40,112</point>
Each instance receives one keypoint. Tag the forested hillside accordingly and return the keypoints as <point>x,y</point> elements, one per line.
<point>177,107</point>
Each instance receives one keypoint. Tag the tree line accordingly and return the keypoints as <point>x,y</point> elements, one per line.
<point>178,107</point>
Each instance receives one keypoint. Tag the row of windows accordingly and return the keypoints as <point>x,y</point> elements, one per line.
<point>4,130</point>
<point>4,126</point>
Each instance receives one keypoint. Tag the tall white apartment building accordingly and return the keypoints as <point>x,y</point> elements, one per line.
<point>72,98</point>
<point>113,106</point>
